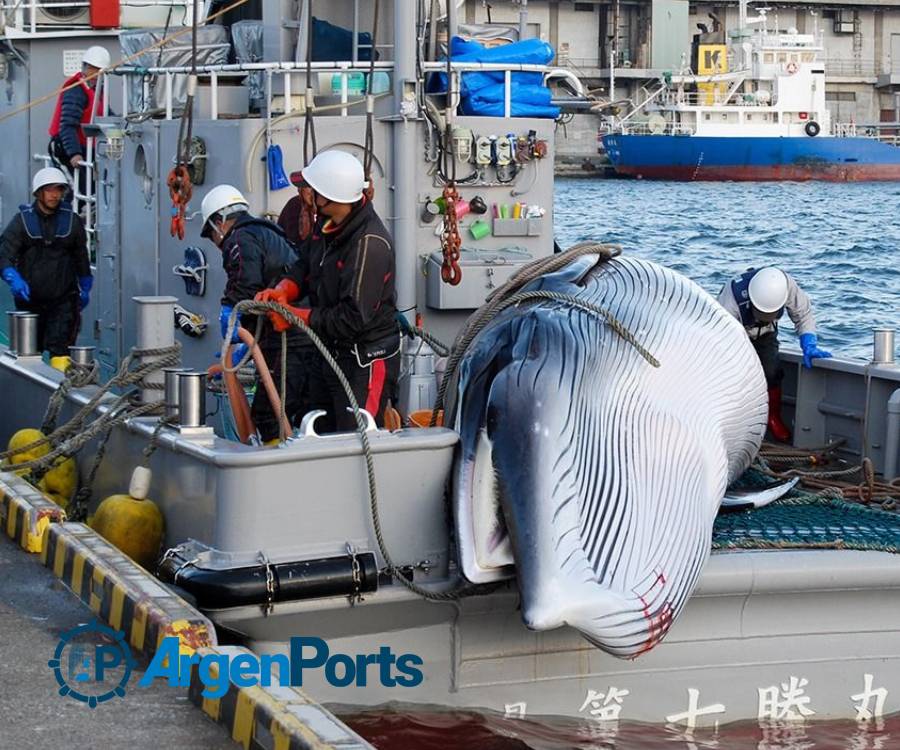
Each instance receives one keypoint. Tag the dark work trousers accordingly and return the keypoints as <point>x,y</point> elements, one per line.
<point>767,349</point>
<point>373,387</point>
<point>58,323</point>
<point>61,159</point>
<point>297,401</point>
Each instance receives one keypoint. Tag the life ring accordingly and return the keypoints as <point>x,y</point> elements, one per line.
<point>792,67</point>
<point>812,128</point>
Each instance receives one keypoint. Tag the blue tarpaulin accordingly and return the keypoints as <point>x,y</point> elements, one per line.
<point>482,92</point>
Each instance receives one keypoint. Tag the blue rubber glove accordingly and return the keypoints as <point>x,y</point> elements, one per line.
<point>809,344</point>
<point>17,285</point>
<point>224,316</point>
<point>85,284</point>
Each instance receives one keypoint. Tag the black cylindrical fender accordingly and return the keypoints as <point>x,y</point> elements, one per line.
<point>277,582</point>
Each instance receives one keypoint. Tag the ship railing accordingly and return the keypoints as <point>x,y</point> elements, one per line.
<point>37,16</point>
<point>213,74</point>
<point>713,98</point>
<point>846,130</point>
<point>886,132</point>
<point>644,128</point>
<point>132,75</point>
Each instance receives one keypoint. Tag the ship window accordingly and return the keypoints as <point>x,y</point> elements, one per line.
<point>769,57</point>
<point>809,57</point>
<point>706,116</point>
<point>782,57</point>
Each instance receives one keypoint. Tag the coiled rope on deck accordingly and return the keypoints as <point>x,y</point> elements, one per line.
<point>820,470</point>
<point>68,439</point>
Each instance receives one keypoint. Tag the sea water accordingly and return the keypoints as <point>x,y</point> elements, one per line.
<point>841,242</point>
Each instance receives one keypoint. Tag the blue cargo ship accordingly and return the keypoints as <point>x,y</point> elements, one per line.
<point>764,120</point>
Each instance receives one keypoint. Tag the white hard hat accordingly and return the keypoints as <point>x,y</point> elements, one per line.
<point>217,200</point>
<point>337,176</point>
<point>768,289</point>
<point>96,56</point>
<point>48,176</point>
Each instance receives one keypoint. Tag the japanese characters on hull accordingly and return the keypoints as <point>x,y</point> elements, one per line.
<point>787,701</point>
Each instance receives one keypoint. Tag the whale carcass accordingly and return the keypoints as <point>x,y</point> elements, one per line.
<point>598,474</point>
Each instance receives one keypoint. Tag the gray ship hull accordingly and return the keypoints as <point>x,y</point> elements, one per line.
<point>768,634</point>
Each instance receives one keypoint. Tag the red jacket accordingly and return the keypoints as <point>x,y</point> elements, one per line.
<point>86,114</point>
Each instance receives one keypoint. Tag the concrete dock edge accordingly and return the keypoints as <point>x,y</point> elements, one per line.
<point>273,717</point>
<point>121,592</point>
<point>25,512</point>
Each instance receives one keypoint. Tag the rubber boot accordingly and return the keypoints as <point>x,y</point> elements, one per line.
<point>778,428</point>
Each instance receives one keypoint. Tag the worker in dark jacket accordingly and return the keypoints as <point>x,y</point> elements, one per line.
<point>347,270</point>
<point>44,260</point>
<point>76,105</point>
<point>255,254</point>
<point>758,298</point>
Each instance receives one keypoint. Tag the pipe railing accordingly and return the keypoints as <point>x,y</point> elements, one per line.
<point>344,69</point>
<point>213,74</point>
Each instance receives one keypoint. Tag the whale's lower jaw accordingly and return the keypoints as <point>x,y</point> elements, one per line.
<point>617,624</point>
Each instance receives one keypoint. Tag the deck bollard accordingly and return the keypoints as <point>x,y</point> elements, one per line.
<point>170,376</point>
<point>883,346</point>
<point>82,355</point>
<point>154,331</point>
<point>27,335</point>
<point>192,398</point>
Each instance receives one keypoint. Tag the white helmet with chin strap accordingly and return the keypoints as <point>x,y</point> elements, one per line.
<point>48,176</point>
<point>222,200</point>
<point>768,289</point>
<point>336,175</point>
<point>96,56</point>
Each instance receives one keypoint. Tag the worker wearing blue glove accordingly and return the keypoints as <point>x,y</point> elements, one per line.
<point>44,261</point>
<point>758,298</point>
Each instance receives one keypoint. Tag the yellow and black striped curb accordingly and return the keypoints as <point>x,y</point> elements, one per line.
<point>25,512</point>
<point>121,592</point>
<point>275,718</point>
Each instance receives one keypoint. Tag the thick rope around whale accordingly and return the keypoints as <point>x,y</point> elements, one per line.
<point>509,294</point>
